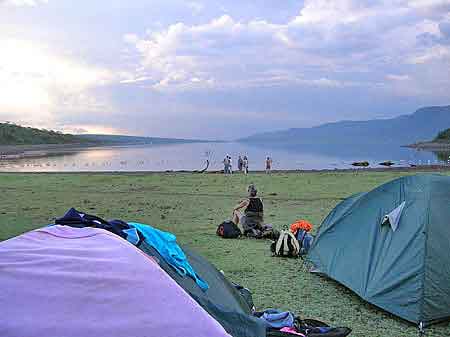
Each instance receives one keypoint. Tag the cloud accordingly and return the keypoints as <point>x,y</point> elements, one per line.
<point>23,3</point>
<point>221,53</point>
<point>395,77</point>
<point>333,13</point>
<point>438,52</point>
<point>327,83</point>
<point>135,80</point>
<point>333,45</point>
<point>436,7</point>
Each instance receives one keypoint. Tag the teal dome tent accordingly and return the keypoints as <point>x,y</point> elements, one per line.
<point>391,246</point>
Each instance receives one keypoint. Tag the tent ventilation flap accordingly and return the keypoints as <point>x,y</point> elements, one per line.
<point>393,218</point>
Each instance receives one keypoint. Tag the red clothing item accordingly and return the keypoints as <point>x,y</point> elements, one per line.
<point>301,224</point>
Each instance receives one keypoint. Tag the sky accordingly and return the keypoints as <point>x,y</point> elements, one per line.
<point>218,69</point>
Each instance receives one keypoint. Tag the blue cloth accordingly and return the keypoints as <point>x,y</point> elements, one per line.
<point>323,329</point>
<point>166,245</point>
<point>132,235</point>
<point>278,319</point>
<point>305,240</point>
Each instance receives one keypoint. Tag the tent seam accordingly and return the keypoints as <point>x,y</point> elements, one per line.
<point>427,224</point>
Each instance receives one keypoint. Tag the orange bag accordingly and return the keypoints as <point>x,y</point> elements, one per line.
<point>301,224</point>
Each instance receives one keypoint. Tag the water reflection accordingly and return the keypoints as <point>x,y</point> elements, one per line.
<point>443,156</point>
<point>193,157</point>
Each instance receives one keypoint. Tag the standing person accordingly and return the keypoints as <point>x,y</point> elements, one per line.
<point>230,165</point>
<point>240,163</point>
<point>226,165</point>
<point>245,164</point>
<point>268,165</point>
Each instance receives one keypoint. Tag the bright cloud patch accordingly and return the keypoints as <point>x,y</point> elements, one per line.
<point>208,55</point>
<point>21,3</point>
<point>36,83</point>
<point>332,13</point>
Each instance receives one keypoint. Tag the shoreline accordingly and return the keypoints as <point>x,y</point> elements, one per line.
<point>419,168</point>
<point>430,146</point>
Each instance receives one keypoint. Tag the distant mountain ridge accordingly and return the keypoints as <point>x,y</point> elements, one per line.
<point>135,140</point>
<point>423,124</point>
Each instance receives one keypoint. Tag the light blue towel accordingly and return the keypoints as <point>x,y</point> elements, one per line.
<point>166,245</point>
<point>278,319</point>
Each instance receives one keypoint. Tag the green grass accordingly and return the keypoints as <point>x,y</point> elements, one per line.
<point>191,206</point>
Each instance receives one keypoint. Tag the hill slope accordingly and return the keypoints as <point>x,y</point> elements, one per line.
<point>443,137</point>
<point>11,134</point>
<point>134,140</point>
<point>425,123</point>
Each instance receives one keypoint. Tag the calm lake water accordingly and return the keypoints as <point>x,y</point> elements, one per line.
<point>193,157</point>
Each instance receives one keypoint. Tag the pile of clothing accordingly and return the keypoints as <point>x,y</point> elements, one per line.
<point>165,243</point>
<point>285,323</point>
<point>264,231</point>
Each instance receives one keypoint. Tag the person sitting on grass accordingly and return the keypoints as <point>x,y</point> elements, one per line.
<point>252,217</point>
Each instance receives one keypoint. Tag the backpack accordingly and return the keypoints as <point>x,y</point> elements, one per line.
<point>286,245</point>
<point>246,295</point>
<point>228,230</point>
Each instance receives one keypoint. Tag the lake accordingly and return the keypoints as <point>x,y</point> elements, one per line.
<point>193,156</point>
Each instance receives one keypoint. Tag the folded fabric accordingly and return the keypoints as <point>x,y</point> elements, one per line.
<point>79,219</point>
<point>278,319</point>
<point>132,235</point>
<point>166,245</point>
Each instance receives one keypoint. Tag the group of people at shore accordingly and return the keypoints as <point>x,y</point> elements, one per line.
<point>242,164</point>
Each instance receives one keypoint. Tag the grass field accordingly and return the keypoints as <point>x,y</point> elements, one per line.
<point>192,205</point>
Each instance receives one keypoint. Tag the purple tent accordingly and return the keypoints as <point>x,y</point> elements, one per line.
<point>85,282</point>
